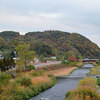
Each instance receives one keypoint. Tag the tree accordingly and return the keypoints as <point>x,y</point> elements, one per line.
<point>25,55</point>
<point>6,64</point>
<point>41,48</point>
<point>12,54</point>
<point>41,58</point>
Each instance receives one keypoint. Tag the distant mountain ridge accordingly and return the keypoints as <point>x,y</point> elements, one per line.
<point>63,43</point>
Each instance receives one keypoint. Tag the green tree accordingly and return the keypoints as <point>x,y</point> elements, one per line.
<point>41,58</point>
<point>25,55</point>
<point>6,64</point>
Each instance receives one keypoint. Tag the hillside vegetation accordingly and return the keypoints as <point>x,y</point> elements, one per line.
<point>52,43</point>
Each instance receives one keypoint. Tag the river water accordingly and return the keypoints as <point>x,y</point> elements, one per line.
<point>64,84</point>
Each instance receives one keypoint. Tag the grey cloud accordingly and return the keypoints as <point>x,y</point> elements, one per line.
<point>67,15</point>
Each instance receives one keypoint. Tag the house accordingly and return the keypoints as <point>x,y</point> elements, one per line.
<point>1,57</point>
<point>73,59</point>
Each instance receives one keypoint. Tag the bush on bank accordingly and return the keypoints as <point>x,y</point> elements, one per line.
<point>83,93</point>
<point>25,86</point>
<point>4,79</point>
<point>98,80</point>
<point>69,63</point>
<point>86,90</point>
<point>98,62</point>
<point>30,67</point>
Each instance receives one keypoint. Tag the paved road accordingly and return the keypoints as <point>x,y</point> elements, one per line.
<point>39,65</point>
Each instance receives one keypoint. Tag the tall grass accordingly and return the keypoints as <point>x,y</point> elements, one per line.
<point>95,71</point>
<point>25,86</point>
<point>4,79</point>
<point>98,80</point>
<point>86,90</point>
<point>83,93</point>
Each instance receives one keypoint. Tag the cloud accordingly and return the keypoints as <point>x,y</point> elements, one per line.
<point>95,38</point>
<point>80,16</point>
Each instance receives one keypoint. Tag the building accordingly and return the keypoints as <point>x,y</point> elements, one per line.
<point>1,57</point>
<point>90,60</point>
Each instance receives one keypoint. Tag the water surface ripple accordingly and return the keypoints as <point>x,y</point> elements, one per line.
<point>64,84</point>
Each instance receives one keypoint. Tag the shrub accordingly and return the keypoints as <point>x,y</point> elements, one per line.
<point>73,64</point>
<point>91,82</point>
<point>22,94</point>
<point>87,90</point>
<point>65,62</point>
<point>53,79</point>
<point>41,72</point>
<point>83,93</point>
<point>30,67</point>
<point>98,80</point>
<point>4,79</point>
<point>23,88</point>
<point>25,81</point>
<point>37,73</point>
<point>98,62</point>
<point>34,73</point>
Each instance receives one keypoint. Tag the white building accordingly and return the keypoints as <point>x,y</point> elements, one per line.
<point>1,57</point>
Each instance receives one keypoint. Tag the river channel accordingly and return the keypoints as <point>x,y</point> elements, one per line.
<point>64,84</point>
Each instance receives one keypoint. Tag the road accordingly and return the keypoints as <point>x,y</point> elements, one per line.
<point>39,65</point>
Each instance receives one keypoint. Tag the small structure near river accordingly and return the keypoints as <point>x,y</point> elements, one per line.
<point>90,60</point>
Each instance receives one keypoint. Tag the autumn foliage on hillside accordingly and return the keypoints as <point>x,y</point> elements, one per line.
<point>52,43</point>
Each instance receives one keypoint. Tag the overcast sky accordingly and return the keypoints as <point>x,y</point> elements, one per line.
<point>81,16</point>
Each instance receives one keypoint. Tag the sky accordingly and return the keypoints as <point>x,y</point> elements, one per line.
<point>81,16</point>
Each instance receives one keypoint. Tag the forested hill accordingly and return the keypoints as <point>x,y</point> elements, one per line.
<point>7,35</point>
<point>72,44</point>
<point>51,43</point>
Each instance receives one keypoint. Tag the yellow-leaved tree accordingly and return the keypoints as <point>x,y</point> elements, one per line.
<point>25,55</point>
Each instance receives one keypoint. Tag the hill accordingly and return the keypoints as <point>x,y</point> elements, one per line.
<point>9,34</point>
<point>55,43</point>
<point>68,44</point>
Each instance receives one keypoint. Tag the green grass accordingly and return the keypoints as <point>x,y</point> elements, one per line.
<point>95,71</point>
<point>37,73</point>
<point>98,80</point>
<point>97,65</point>
<point>73,71</point>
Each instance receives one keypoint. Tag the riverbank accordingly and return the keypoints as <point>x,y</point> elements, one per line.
<point>62,71</point>
<point>29,84</point>
<point>24,86</point>
<point>63,84</point>
<point>88,88</point>
<point>95,70</point>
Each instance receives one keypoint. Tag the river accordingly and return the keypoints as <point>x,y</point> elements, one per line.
<point>64,84</point>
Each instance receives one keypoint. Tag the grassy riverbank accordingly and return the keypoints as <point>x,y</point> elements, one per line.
<point>86,90</point>
<point>62,69</point>
<point>30,83</point>
<point>95,70</point>
<point>25,85</point>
